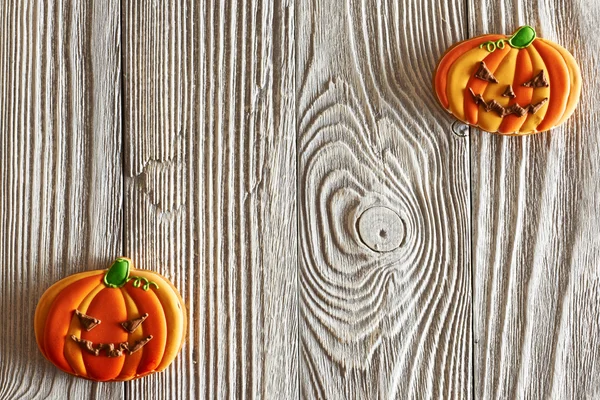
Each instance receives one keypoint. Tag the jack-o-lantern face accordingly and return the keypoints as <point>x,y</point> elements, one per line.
<point>484,74</point>
<point>112,349</point>
<point>517,85</point>
<point>106,325</point>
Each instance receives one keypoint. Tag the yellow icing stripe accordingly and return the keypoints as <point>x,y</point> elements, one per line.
<point>175,315</point>
<point>73,351</point>
<point>505,73</point>
<point>458,78</point>
<point>533,120</point>
<point>45,303</point>
<point>574,79</point>
<point>132,360</point>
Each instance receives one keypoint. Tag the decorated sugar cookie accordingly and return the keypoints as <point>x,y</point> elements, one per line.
<point>513,85</point>
<point>111,325</point>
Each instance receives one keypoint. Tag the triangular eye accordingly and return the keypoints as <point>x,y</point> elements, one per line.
<point>485,74</point>
<point>86,321</point>
<point>131,325</point>
<point>537,81</point>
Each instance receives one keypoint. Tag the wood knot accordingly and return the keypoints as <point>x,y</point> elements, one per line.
<point>460,129</point>
<point>380,229</point>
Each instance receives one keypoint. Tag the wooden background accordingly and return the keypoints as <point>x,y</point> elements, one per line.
<point>233,146</point>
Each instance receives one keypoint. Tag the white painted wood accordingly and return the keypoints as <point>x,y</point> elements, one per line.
<point>373,324</point>
<point>380,229</point>
<point>267,147</point>
<point>536,228</point>
<point>60,173</point>
<point>210,183</point>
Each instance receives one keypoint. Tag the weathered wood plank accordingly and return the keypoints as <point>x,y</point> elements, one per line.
<point>210,188</point>
<point>375,323</point>
<point>60,174</point>
<point>536,227</point>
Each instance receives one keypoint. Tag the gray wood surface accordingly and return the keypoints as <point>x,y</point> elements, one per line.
<point>374,323</point>
<point>60,173</point>
<point>210,188</point>
<point>536,229</point>
<point>287,166</point>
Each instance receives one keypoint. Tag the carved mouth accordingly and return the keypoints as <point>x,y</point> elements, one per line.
<point>504,111</point>
<point>112,350</point>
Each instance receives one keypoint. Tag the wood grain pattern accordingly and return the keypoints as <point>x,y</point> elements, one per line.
<point>287,166</point>
<point>393,324</point>
<point>210,188</point>
<point>60,173</point>
<point>536,224</point>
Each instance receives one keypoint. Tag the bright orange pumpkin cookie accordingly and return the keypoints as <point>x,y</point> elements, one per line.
<point>111,325</point>
<point>513,85</point>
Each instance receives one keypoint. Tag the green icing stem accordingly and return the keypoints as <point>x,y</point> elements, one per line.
<point>118,275</point>
<point>521,39</point>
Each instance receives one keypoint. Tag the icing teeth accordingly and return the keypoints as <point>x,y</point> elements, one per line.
<point>87,345</point>
<point>504,111</point>
<point>139,344</point>
<point>111,349</point>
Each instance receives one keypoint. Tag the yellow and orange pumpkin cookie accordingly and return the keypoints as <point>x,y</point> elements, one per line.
<point>513,85</point>
<point>111,325</point>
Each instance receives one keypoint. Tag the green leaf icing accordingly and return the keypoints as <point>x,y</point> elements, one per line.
<point>118,274</point>
<point>523,37</point>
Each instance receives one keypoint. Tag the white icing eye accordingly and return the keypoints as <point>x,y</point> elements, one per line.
<point>131,325</point>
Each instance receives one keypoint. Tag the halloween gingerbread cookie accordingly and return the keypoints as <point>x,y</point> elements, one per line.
<point>513,85</point>
<point>111,325</point>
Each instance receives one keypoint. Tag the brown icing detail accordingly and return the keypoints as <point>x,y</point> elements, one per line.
<point>509,92</point>
<point>478,98</point>
<point>111,349</point>
<point>485,74</point>
<point>87,345</point>
<point>86,321</point>
<point>139,344</point>
<point>131,325</point>
<point>504,111</point>
<point>497,107</point>
<point>533,108</point>
<point>517,110</point>
<point>537,81</point>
